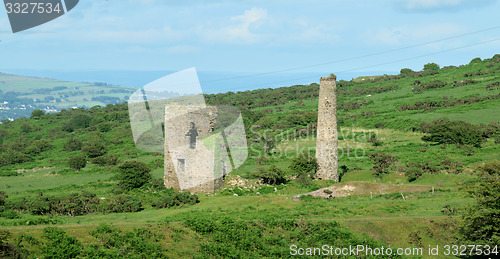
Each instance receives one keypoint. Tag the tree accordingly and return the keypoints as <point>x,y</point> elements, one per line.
<point>134,174</point>
<point>431,67</point>
<point>78,162</point>
<point>481,224</point>
<point>37,114</point>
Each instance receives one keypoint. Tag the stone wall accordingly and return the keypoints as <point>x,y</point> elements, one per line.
<point>195,158</point>
<point>327,136</point>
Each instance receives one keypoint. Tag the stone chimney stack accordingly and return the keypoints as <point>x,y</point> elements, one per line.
<point>327,141</point>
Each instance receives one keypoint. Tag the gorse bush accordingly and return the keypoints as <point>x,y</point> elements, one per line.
<point>175,199</point>
<point>77,162</point>
<point>134,174</point>
<point>121,204</point>
<point>481,223</point>
<point>382,163</point>
<point>73,144</point>
<point>270,175</point>
<point>269,237</point>
<point>59,244</point>
<point>112,242</point>
<point>454,132</point>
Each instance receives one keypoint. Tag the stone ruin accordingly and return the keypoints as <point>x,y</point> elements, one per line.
<point>327,135</point>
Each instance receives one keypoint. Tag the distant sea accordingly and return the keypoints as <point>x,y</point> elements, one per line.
<point>211,82</point>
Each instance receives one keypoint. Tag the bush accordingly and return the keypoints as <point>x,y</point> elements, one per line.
<point>81,121</point>
<point>112,242</point>
<point>110,159</point>
<point>303,165</point>
<point>405,71</point>
<point>3,196</point>
<point>413,173</point>
<point>38,146</point>
<point>431,67</point>
<point>123,203</point>
<point>481,224</point>
<point>343,170</point>
<point>78,162</point>
<point>37,114</point>
<point>455,132</point>
<point>95,146</point>
<point>272,175</point>
<point>73,144</point>
<point>134,174</point>
<point>11,157</point>
<point>382,163</point>
<point>59,244</point>
<point>175,199</point>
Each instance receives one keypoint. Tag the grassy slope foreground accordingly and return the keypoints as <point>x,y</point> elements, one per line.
<point>400,190</point>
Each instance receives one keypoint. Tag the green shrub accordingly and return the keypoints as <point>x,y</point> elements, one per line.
<point>303,165</point>
<point>38,146</point>
<point>58,244</point>
<point>9,214</point>
<point>110,159</point>
<point>73,144</point>
<point>11,157</point>
<point>112,242</point>
<point>7,250</point>
<point>413,173</point>
<point>271,175</point>
<point>405,71</point>
<point>468,149</point>
<point>95,145</point>
<point>431,67</point>
<point>454,132</point>
<point>175,199</point>
<point>382,163</point>
<point>3,196</point>
<point>78,162</point>
<point>37,114</point>
<point>123,203</point>
<point>481,224</point>
<point>343,170</point>
<point>134,174</point>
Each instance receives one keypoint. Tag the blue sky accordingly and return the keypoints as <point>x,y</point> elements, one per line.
<point>257,36</point>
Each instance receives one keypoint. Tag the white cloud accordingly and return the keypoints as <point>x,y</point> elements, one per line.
<point>239,30</point>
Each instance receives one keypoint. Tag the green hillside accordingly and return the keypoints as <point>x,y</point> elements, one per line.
<point>20,95</point>
<point>413,148</point>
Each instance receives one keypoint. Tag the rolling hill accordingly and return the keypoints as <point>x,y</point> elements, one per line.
<point>20,95</point>
<point>403,186</point>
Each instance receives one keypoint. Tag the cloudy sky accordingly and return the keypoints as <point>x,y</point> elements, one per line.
<point>258,36</point>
